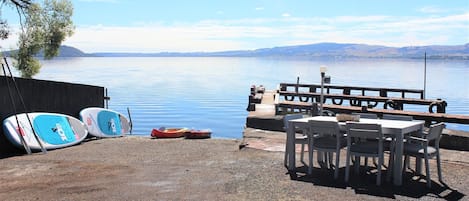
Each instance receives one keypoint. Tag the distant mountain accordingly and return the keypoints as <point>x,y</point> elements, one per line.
<point>323,50</point>
<point>355,50</point>
<point>335,50</point>
<point>67,51</point>
<point>64,51</point>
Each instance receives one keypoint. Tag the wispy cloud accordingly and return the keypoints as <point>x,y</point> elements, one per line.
<point>431,10</point>
<point>259,8</point>
<point>286,15</point>
<point>219,35</point>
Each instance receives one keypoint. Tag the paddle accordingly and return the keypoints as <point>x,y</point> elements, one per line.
<point>24,106</point>
<point>130,119</point>
<point>23,142</point>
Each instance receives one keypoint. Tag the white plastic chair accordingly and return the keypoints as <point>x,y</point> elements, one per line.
<point>299,138</point>
<point>364,140</point>
<point>328,139</point>
<point>419,147</point>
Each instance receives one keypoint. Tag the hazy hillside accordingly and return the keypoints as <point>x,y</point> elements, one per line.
<point>67,51</point>
<point>325,50</point>
<point>64,51</point>
<point>336,50</point>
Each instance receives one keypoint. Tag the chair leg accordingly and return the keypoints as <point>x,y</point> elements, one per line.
<point>331,158</point>
<point>427,169</point>
<point>366,163</point>
<point>321,158</point>
<point>357,164</point>
<point>374,162</point>
<point>310,166</point>
<point>302,153</point>
<point>380,164</point>
<point>336,167</point>
<point>438,165</point>
<point>406,164</point>
<point>347,166</point>
<point>390,163</point>
<point>286,159</point>
<point>390,168</point>
<point>418,165</point>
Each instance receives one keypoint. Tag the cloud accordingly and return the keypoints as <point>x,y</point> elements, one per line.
<point>259,8</point>
<point>153,39</point>
<point>431,10</point>
<point>286,15</point>
<point>220,35</point>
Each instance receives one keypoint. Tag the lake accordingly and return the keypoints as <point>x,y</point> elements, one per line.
<point>212,92</point>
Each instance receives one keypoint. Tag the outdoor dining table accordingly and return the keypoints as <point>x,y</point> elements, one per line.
<point>396,129</point>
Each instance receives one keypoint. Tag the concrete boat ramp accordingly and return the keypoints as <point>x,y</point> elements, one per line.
<point>140,168</point>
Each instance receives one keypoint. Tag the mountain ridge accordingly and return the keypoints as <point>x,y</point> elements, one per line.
<point>334,50</point>
<point>342,50</point>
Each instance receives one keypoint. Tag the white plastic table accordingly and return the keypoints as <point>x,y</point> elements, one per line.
<point>393,128</point>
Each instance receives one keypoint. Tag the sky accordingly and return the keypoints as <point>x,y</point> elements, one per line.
<point>219,25</point>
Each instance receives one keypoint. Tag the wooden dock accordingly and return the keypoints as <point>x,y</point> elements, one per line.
<point>267,116</point>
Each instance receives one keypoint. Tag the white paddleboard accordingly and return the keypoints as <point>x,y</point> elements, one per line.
<point>102,122</point>
<point>53,130</point>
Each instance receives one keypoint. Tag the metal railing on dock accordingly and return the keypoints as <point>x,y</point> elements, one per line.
<point>293,97</point>
<point>360,96</point>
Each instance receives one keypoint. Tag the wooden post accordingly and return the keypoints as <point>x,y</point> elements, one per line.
<point>425,76</point>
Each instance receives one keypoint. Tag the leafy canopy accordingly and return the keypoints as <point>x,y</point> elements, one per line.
<point>45,27</point>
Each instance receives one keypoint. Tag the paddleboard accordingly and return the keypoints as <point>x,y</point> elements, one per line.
<point>102,122</point>
<point>53,130</point>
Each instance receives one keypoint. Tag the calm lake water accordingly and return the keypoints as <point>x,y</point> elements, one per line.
<point>207,92</point>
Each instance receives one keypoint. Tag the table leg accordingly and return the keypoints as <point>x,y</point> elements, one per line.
<point>291,146</point>
<point>397,170</point>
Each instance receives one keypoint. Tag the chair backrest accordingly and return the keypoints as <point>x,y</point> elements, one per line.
<point>289,117</point>
<point>397,117</point>
<point>324,128</point>
<point>364,131</point>
<point>366,115</point>
<point>435,132</point>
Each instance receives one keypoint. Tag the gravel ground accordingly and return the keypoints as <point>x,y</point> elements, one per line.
<point>139,168</point>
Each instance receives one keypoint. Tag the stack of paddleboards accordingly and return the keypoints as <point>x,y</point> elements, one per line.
<point>53,131</point>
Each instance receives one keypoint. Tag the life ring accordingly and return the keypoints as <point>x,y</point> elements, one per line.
<point>340,101</point>
<point>434,104</point>
<point>389,103</point>
<point>301,98</point>
<point>368,102</point>
<point>289,98</point>
<point>355,102</point>
<point>318,99</point>
<point>393,105</point>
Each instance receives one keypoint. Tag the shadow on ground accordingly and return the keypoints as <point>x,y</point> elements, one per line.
<point>365,183</point>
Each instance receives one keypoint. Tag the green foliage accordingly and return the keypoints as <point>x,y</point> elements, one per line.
<point>45,28</point>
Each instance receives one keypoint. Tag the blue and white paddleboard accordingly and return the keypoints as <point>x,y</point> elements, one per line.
<point>53,130</point>
<point>102,122</point>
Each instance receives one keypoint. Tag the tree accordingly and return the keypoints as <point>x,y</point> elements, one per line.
<point>44,28</point>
